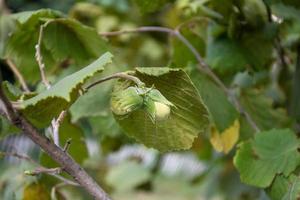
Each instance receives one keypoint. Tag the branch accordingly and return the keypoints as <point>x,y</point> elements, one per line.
<point>55,152</point>
<point>52,171</point>
<point>18,75</point>
<point>122,75</point>
<point>202,65</point>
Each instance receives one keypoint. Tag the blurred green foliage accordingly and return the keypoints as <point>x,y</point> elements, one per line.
<point>253,46</point>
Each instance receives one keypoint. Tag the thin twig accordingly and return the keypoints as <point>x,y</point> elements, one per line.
<point>67,145</point>
<point>55,123</point>
<point>20,156</point>
<point>41,169</point>
<point>18,75</point>
<point>39,57</point>
<point>122,75</point>
<point>202,65</point>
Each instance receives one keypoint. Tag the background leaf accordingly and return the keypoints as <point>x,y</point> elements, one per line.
<point>285,188</point>
<point>268,154</point>
<point>7,26</point>
<point>148,6</point>
<point>126,176</point>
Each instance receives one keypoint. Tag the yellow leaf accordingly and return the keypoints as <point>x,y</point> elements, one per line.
<point>225,141</point>
<point>36,191</point>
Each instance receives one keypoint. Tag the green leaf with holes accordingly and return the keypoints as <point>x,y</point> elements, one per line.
<point>268,154</point>
<point>41,109</point>
<point>188,117</point>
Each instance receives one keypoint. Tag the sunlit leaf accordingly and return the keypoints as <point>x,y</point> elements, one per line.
<point>41,109</point>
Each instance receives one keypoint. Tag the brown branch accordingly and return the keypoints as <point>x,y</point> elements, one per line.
<point>202,65</point>
<point>18,75</point>
<point>55,152</point>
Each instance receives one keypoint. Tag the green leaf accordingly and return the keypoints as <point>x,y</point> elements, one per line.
<point>181,54</point>
<point>222,112</point>
<point>128,175</point>
<point>268,154</point>
<point>67,38</point>
<point>188,118</point>
<point>285,11</point>
<point>225,130</point>
<point>41,109</point>
<point>260,108</point>
<point>7,26</point>
<point>62,39</point>
<point>13,180</point>
<point>92,104</point>
<point>32,18</point>
<point>21,44</point>
<point>295,93</point>
<point>228,56</point>
<point>148,6</point>
<point>285,188</point>
<point>12,92</point>
<point>225,55</point>
<point>6,128</point>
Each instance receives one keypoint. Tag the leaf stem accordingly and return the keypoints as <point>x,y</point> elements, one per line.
<point>202,65</point>
<point>122,75</point>
<point>18,74</point>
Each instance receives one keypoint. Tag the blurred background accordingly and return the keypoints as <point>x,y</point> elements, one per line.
<point>127,170</point>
